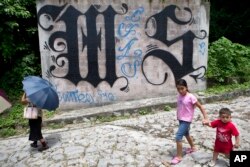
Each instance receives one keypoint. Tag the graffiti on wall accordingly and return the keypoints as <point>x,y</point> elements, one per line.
<point>91,42</point>
<point>128,30</point>
<point>77,96</point>
<point>179,70</point>
<point>130,57</point>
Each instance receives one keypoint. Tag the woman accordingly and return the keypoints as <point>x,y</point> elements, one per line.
<point>35,126</point>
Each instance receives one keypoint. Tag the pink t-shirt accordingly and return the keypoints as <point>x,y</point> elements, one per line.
<point>185,107</point>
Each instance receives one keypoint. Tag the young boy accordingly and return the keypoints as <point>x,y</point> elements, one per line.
<point>224,132</point>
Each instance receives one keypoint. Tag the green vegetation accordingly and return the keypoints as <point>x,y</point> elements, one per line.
<point>228,62</point>
<point>167,108</point>
<point>19,49</point>
<point>144,111</point>
<point>12,121</point>
<point>220,89</point>
<point>55,126</point>
<point>48,114</point>
<point>231,20</point>
<point>106,118</point>
<point>7,132</point>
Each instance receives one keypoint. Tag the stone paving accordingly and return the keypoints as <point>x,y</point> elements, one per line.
<point>143,141</point>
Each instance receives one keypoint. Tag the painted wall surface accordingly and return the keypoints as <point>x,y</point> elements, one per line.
<point>98,52</point>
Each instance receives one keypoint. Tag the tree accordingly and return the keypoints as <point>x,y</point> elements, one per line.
<point>230,19</point>
<point>19,50</point>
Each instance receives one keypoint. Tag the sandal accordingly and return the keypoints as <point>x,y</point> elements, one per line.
<point>190,150</point>
<point>175,160</point>
<point>211,163</point>
<point>43,148</point>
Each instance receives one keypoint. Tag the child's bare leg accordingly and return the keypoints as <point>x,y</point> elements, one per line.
<point>179,149</point>
<point>215,156</point>
<point>228,159</point>
<point>190,141</point>
<point>227,155</point>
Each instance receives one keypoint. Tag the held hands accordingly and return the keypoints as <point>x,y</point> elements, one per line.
<point>205,122</point>
<point>236,145</point>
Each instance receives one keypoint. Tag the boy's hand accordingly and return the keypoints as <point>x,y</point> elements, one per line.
<point>236,145</point>
<point>205,122</point>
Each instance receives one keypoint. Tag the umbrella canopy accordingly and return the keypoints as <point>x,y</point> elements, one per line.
<point>40,92</point>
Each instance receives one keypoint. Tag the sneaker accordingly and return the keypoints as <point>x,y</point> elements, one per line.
<point>228,162</point>
<point>211,163</point>
<point>33,145</point>
<point>43,148</point>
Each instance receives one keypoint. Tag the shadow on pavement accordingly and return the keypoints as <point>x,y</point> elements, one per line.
<point>52,139</point>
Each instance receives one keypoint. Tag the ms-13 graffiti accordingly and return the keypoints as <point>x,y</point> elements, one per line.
<point>91,43</point>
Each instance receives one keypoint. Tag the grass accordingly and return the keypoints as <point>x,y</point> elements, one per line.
<point>167,108</point>
<point>12,121</point>
<point>106,118</point>
<point>144,111</point>
<point>55,126</point>
<point>220,89</point>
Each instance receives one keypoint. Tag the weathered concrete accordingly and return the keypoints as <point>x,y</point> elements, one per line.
<point>130,108</point>
<point>98,52</point>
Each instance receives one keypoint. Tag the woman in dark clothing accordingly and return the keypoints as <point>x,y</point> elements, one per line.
<point>35,127</point>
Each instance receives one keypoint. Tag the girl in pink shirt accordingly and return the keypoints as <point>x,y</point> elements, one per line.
<point>186,103</point>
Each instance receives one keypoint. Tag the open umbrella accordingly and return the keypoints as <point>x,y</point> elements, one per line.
<point>41,92</point>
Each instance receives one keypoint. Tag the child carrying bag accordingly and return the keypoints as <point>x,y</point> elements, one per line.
<point>30,112</point>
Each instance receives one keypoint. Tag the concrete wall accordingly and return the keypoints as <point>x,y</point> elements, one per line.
<point>98,52</point>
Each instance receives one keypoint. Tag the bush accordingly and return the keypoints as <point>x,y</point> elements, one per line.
<point>228,62</point>
<point>11,82</point>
